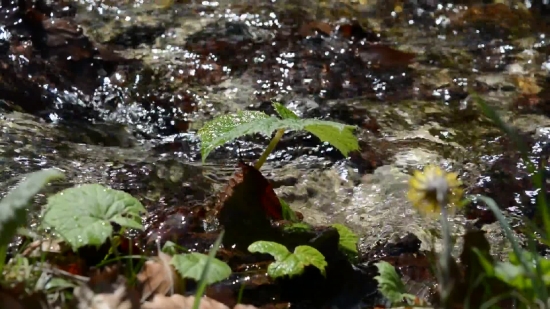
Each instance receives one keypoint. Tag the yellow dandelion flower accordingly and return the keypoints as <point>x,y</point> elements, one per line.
<point>432,188</point>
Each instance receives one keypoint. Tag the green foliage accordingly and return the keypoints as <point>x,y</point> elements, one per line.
<point>192,265</point>
<point>515,275</point>
<point>284,112</point>
<point>390,284</point>
<point>12,207</point>
<point>288,213</point>
<point>172,248</point>
<point>83,215</point>
<point>226,128</point>
<point>288,263</point>
<point>202,282</point>
<point>348,239</point>
<point>298,226</point>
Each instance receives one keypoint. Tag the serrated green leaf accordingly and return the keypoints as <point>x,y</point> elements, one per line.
<point>83,215</point>
<point>348,239</point>
<point>287,263</point>
<point>226,128</point>
<point>288,213</point>
<point>284,112</point>
<point>389,283</point>
<point>289,266</point>
<point>335,134</point>
<point>12,207</point>
<point>308,255</point>
<point>278,251</point>
<point>192,265</point>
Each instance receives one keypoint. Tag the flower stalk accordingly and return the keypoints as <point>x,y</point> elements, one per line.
<point>434,192</point>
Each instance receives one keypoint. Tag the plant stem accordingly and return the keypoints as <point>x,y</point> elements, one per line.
<point>274,141</point>
<point>3,255</point>
<point>444,266</point>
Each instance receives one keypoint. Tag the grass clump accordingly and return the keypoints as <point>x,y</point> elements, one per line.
<point>522,281</point>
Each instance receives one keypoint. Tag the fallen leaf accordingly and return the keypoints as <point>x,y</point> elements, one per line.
<point>527,85</point>
<point>246,207</point>
<point>38,247</point>
<point>106,290</point>
<point>158,276</point>
<point>181,302</point>
<point>314,27</point>
<point>383,56</point>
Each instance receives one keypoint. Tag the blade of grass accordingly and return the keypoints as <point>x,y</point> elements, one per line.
<point>119,258</point>
<point>537,173</point>
<point>538,283</point>
<point>241,292</point>
<point>202,282</point>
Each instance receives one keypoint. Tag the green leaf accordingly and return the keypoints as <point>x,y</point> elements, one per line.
<point>390,284</point>
<point>192,265</point>
<point>226,128</point>
<point>298,226</point>
<point>278,251</point>
<point>83,215</point>
<point>202,282</point>
<point>284,112</point>
<point>334,133</point>
<point>12,207</point>
<point>286,263</point>
<point>170,248</point>
<point>310,256</point>
<point>348,239</point>
<point>288,213</point>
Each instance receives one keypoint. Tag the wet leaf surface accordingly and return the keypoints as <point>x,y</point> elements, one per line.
<point>114,92</point>
<point>83,215</point>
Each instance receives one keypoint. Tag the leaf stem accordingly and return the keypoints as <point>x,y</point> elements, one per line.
<point>274,141</point>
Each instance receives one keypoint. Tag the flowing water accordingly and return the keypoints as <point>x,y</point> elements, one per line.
<point>114,91</point>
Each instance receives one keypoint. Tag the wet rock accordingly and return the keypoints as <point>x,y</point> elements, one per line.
<point>51,65</point>
<point>509,183</point>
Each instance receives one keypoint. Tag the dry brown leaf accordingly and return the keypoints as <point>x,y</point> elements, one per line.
<point>241,306</point>
<point>527,85</point>
<point>106,290</point>
<point>158,276</point>
<point>186,302</point>
<point>37,247</point>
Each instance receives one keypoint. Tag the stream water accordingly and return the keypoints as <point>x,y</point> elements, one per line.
<point>113,91</point>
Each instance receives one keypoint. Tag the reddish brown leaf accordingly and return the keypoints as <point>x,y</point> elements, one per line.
<point>253,180</point>
<point>384,56</point>
<point>247,207</point>
<point>313,27</point>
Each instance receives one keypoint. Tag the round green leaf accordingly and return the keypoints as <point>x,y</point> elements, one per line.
<point>192,265</point>
<point>348,239</point>
<point>12,207</point>
<point>83,215</point>
<point>310,256</point>
<point>278,251</point>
